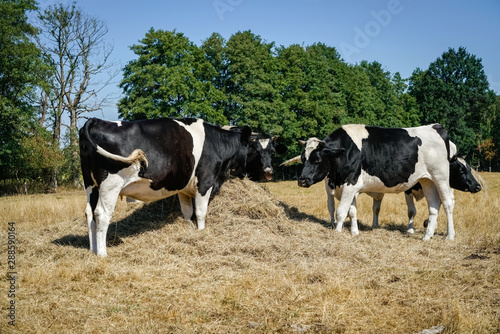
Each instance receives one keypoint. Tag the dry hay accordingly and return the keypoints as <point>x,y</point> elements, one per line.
<point>268,261</point>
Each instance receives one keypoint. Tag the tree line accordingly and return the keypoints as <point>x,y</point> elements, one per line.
<point>294,92</point>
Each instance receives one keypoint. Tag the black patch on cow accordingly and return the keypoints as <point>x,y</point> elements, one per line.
<point>187,121</point>
<point>444,134</point>
<point>168,147</point>
<point>222,151</point>
<point>390,154</point>
<point>344,168</point>
<point>93,198</point>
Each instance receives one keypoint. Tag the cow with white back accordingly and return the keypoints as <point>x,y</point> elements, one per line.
<point>359,158</point>
<point>149,160</point>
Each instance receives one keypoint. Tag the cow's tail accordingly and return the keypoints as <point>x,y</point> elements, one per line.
<point>137,156</point>
<point>87,145</point>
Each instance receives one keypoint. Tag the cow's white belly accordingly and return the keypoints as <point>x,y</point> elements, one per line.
<point>373,184</point>
<point>141,190</point>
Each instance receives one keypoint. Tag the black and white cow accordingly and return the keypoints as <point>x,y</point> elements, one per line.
<point>359,158</point>
<point>150,160</point>
<point>261,151</point>
<point>462,178</point>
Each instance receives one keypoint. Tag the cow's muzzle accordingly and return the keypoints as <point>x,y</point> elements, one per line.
<point>304,182</point>
<point>268,173</point>
<point>476,189</point>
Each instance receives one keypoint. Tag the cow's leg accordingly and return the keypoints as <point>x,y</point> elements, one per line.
<point>201,202</point>
<point>330,194</point>
<point>377,203</point>
<point>109,191</point>
<point>412,212</point>
<point>92,197</point>
<point>448,199</point>
<point>186,206</point>
<point>353,213</point>
<point>348,194</point>
<point>434,202</point>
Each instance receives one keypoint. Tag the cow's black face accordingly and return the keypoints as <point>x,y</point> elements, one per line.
<point>461,177</point>
<point>260,154</point>
<point>316,168</point>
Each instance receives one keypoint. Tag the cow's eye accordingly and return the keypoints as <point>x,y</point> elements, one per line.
<point>317,161</point>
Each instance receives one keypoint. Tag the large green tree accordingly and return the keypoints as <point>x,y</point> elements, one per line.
<point>21,71</point>
<point>253,83</point>
<point>171,77</point>
<point>454,91</point>
<point>74,45</point>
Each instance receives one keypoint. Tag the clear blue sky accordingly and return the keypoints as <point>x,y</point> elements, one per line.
<point>400,34</point>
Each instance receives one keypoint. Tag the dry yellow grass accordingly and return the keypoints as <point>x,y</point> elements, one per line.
<point>268,261</point>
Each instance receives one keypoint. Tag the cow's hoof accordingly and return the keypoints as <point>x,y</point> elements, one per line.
<point>410,231</point>
<point>354,233</point>
<point>426,238</point>
<point>450,237</point>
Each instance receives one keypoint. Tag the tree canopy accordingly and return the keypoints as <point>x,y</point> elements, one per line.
<point>454,91</point>
<point>293,92</point>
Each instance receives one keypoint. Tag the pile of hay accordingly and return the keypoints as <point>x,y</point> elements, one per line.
<point>244,199</point>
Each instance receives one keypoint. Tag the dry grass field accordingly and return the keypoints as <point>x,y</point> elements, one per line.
<point>267,262</point>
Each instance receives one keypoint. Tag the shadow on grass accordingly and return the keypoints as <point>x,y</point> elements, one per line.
<point>152,216</point>
<point>158,214</point>
<point>294,214</point>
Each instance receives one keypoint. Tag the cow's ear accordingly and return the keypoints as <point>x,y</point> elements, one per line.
<point>246,132</point>
<point>281,149</point>
<point>333,152</point>
<point>302,142</point>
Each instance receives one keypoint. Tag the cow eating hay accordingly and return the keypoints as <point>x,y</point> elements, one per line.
<point>150,160</point>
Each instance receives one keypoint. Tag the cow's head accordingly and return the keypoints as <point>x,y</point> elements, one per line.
<point>461,176</point>
<point>261,150</point>
<point>316,158</point>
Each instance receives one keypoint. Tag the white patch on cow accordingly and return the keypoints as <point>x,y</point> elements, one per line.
<point>197,131</point>
<point>201,204</point>
<point>141,190</point>
<point>264,143</point>
<point>119,123</point>
<point>357,132</point>
<point>453,150</point>
<point>311,145</point>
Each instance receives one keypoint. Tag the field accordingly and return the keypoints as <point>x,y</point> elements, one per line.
<point>268,261</point>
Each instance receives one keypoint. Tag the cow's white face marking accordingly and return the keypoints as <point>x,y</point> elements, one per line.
<point>311,145</point>
<point>264,143</point>
<point>357,132</point>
